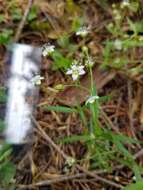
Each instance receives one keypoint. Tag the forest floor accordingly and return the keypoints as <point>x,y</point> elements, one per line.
<point>77,146</point>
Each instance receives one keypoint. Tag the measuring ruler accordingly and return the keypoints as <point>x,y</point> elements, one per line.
<point>22,92</point>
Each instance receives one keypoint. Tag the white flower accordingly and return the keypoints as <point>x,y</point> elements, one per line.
<point>89,62</point>
<point>118,44</point>
<point>36,80</point>
<point>117,15</point>
<point>76,71</point>
<point>125,3</point>
<point>134,178</point>
<point>70,161</point>
<point>92,99</point>
<point>82,31</point>
<point>47,49</point>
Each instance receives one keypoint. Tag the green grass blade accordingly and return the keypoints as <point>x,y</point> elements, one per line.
<point>136,186</point>
<point>82,114</point>
<point>60,109</point>
<point>76,138</point>
<point>3,96</point>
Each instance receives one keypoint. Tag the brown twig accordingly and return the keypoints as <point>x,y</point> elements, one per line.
<point>108,121</point>
<point>51,181</point>
<point>58,179</point>
<point>49,140</point>
<point>138,154</point>
<point>21,25</point>
<point>117,110</point>
<point>94,175</point>
<point>130,109</point>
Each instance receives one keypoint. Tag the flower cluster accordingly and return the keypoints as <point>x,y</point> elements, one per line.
<point>36,80</point>
<point>82,31</point>
<point>125,3</point>
<point>92,99</point>
<point>89,61</point>
<point>117,14</point>
<point>118,44</point>
<point>47,49</point>
<point>76,70</point>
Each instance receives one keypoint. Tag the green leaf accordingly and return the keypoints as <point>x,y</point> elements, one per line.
<point>137,170</point>
<point>135,71</point>
<point>7,172</point>
<point>119,62</point>
<point>40,26</point>
<point>60,109</point>
<point>12,187</point>
<point>134,6</point>
<point>76,138</point>
<point>2,95</point>
<point>5,36</point>
<point>16,14</point>
<point>124,139</point>
<point>137,186</point>
<point>95,112</point>
<point>32,14</point>
<point>2,125</point>
<point>60,62</point>
<point>82,114</point>
<point>5,151</point>
<point>77,23</point>
<point>130,43</point>
<point>63,41</point>
<point>106,54</point>
<point>2,18</point>
<point>132,25</point>
<point>104,99</point>
<point>121,148</point>
<point>72,48</point>
<point>119,143</point>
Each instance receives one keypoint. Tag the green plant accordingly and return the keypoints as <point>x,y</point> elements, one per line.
<point>1,18</point>
<point>60,61</point>
<point>7,168</point>
<point>16,13</point>
<point>124,38</point>
<point>5,36</point>
<point>136,186</point>
<point>3,96</point>
<point>103,146</point>
<point>33,13</point>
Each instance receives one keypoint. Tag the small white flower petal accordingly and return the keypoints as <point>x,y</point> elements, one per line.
<point>37,80</point>
<point>69,72</point>
<point>125,3</point>
<point>74,67</point>
<point>118,44</point>
<point>41,78</point>
<point>44,53</point>
<point>75,71</point>
<point>92,99</point>
<point>47,49</point>
<point>81,67</point>
<point>83,31</point>
<point>89,62</point>
<point>75,76</point>
<point>81,72</point>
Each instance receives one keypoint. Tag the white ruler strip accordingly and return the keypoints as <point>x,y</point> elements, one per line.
<point>21,92</point>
